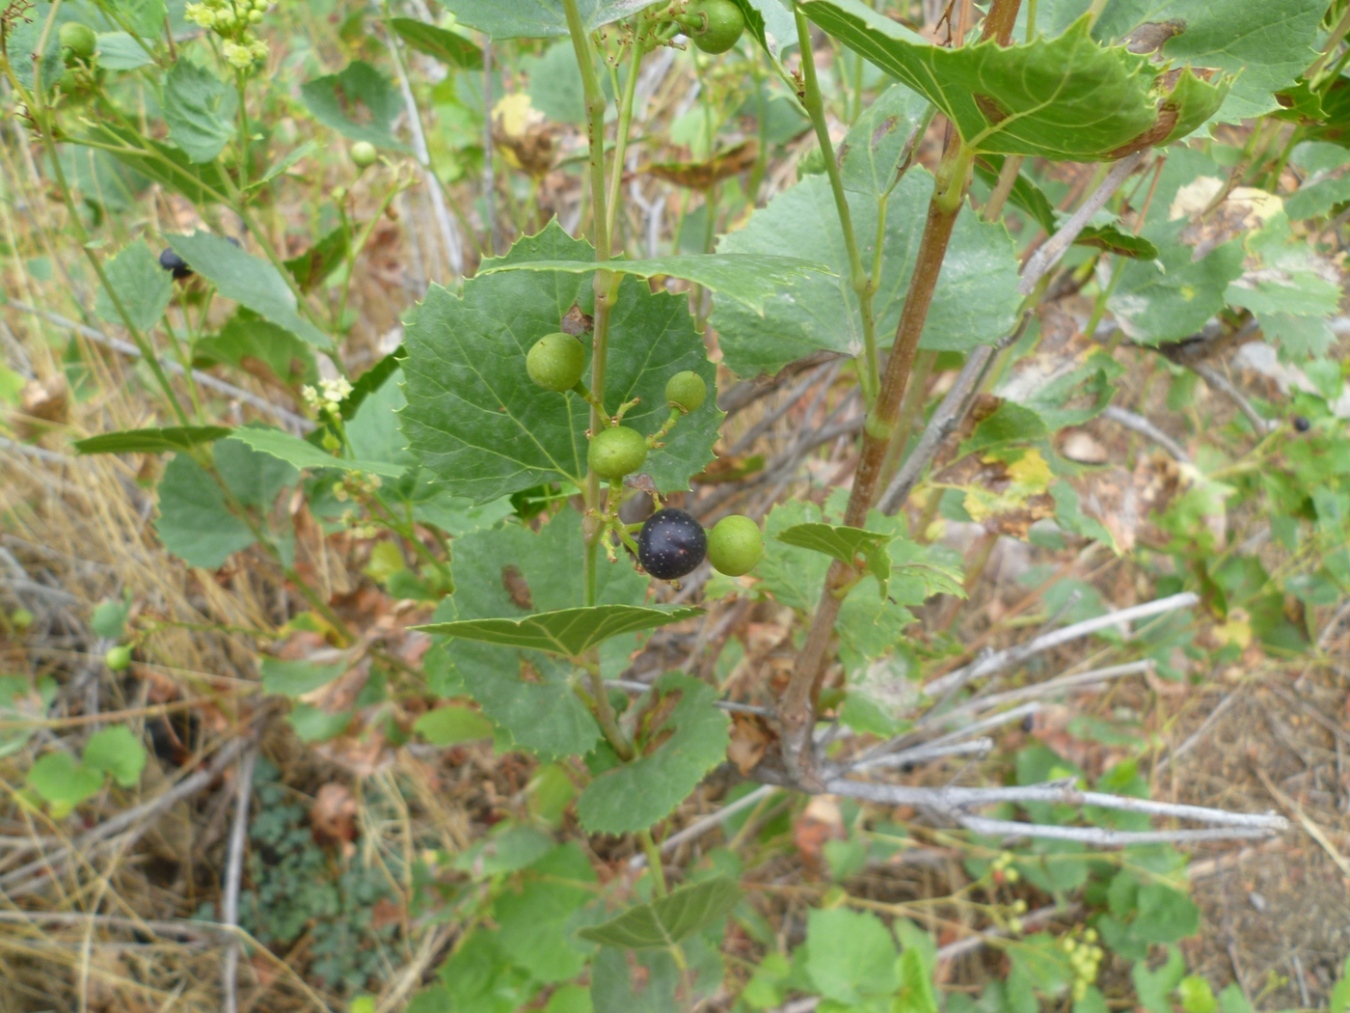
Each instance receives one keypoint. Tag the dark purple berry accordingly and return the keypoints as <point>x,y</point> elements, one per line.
<point>171,261</point>
<point>1301,424</point>
<point>671,544</point>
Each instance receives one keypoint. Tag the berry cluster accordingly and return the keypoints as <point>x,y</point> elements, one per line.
<point>671,543</point>
<point>79,51</point>
<point>1085,957</point>
<point>234,21</point>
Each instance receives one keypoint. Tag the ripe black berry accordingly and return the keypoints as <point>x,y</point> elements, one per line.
<point>671,544</point>
<point>1301,424</point>
<point>171,261</point>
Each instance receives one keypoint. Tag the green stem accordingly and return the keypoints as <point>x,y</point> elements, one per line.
<point>654,863</point>
<point>625,123</point>
<point>859,278</point>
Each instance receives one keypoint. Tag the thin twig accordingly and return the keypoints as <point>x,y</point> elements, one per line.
<point>632,686</point>
<point>1031,920</point>
<point>454,251</point>
<point>1048,255</point>
<point>701,826</point>
<point>234,871</point>
<point>296,422</point>
<point>1039,690</point>
<point>1139,424</point>
<point>999,660</point>
<point>1226,386</point>
<point>947,417</point>
<point>928,751</point>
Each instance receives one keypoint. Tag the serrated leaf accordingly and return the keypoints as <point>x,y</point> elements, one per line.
<point>686,738</point>
<point>749,279</point>
<point>850,955</point>
<point>478,423</point>
<point>284,165</point>
<point>568,632</point>
<point>1265,45</point>
<point>302,454</point>
<point>509,572</point>
<point>151,441</point>
<point>296,678</point>
<point>975,302</point>
<point>142,286</point>
<point>772,25</point>
<point>534,919</point>
<point>451,49</point>
<point>847,545</point>
<point>199,109</point>
<point>1066,98</point>
<point>248,280</point>
<point>194,522</point>
<point>335,99</point>
<point>1174,296</point>
<point>664,922</point>
<point>117,752</point>
<point>536,19</point>
<point>163,163</point>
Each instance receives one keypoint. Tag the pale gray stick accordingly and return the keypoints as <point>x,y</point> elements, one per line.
<point>454,251</point>
<point>1043,689</point>
<point>701,826</point>
<point>234,872</point>
<point>1048,255</point>
<point>999,660</point>
<point>928,751</point>
<point>632,686</point>
<point>1224,385</point>
<point>131,351</point>
<point>1139,424</point>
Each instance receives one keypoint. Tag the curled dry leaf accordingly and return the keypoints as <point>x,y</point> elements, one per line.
<point>750,738</point>
<point>333,815</point>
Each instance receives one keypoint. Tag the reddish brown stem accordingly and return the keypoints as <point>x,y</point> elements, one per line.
<point>797,708</point>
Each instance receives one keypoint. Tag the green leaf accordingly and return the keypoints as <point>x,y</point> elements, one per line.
<point>1316,199</point>
<point>536,19</point>
<point>284,165</point>
<point>62,781</point>
<point>199,109</point>
<point>870,155</point>
<point>121,51</point>
<point>1196,995</point>
<point>568,632</point>
<point>335,100</point>
<point>372,421</point>
<point>916,993</point>
<point>151,441</point>
<point>1153,987</point>
<point>143,287</point>
<point>509,572</point>
<point>163,163</point>
<point>451,49</point>
<point>476,420</point>
<point>772,24</point>
<point>194,522</point>
<point>109,620</point>
<point>850,955</point>
<point>667,921</point>
<point>301,454</point>
<point>534,919</point>
<point>248,280</point>
<point>845,544</point>
<point>269,352</point>
<point>1174,296</point>
<point>296,678</point>
<point>118,752</point>
<point>648,985</point>
<point>1030,199</point>
<point>449,726</point>
<point>144,17</point>
<point>311,268</point>
<point>1265,45</point>
<point>750,279</point>
<point>975,302</point>
<point>686,737</point>
<point>1066,98</point>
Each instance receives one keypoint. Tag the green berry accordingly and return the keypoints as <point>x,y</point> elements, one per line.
<point>79,39</point>
<point>363,154</point>
<point>735,545</point>
<point>118,658</point>
<point>616,452</point>
<point>686,391</point>
<point>715,25</point>
<point>556,361</point>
